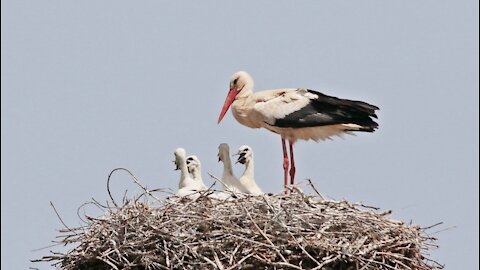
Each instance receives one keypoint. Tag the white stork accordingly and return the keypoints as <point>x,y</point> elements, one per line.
<point>186,184</point>
<point>296,113</point>
<point>229,180</point>
<point>247,180</point>
<point>195,170</point>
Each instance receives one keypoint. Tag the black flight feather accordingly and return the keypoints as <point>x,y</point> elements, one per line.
<point>327,110</point>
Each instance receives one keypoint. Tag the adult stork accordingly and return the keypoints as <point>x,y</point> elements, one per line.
<point>296,114</point>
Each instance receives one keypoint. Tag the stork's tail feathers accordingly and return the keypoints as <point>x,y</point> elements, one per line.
<point>359,114</point>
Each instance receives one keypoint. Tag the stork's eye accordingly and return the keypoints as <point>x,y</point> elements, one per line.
<point>235,81</point>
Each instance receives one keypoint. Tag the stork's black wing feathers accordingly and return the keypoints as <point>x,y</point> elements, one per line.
<point>327,110</point>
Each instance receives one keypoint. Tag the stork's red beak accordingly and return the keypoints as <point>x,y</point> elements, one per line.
<point>228,101</point>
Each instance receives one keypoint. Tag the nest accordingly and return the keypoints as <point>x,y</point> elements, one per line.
<point>277,231</point>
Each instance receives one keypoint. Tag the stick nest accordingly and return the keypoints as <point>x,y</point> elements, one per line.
<point>264,232</point>
<point>278,231</point>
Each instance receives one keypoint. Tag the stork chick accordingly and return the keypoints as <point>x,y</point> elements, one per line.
<point>187,185</point>
<point>247,180</point>
<point>194,168</point>
<point>229,180</point>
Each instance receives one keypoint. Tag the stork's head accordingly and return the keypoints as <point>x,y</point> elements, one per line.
<point>240,81</point>
<point>193,163</point>
<point>245,153</point>
<point>179,157</point>
<point>223,151</point>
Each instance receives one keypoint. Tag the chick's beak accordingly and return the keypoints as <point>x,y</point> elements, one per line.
<point>176,166</point>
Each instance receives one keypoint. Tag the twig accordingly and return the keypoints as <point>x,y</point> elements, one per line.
<point>314,188</point>
<point>431,226</point>
<point>58,215</point>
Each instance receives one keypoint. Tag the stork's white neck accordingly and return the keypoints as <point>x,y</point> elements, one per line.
<point>248,174</point>
<point>245,93</point>
<point>227,165</point>
<point>197,175</point>
<point>242,109</point>
<point>184,177</point>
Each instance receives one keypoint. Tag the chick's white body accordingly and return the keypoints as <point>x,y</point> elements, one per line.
<point>187,185</point>
<point>194,168</point>
<point>229,181</point>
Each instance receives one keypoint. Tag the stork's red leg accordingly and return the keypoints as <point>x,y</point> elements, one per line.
<point>285,165</point>
<point>292,164</point>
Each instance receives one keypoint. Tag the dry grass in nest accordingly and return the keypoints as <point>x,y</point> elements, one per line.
<point>277,231</point>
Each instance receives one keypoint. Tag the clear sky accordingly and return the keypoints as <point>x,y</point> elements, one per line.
<point>88,86</point>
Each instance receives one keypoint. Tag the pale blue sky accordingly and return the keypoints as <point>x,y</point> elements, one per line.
<point>88,86</point>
